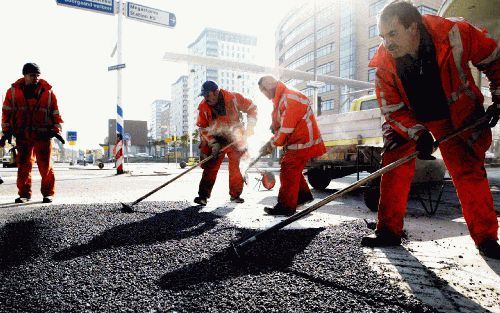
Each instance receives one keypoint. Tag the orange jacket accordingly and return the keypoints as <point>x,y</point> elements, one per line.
<point>293,123</point>
<point>226,125</point>
<point>457,42</point>
<point>34,117</point>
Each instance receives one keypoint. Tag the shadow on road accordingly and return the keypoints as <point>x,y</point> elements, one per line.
<point>427,286</point>
<point>261,259</point>
<point>19,243</point>
<point>171,224</point>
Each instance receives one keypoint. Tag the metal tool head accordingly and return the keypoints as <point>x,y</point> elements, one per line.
<point>126,208</point>
<point>235,250</point>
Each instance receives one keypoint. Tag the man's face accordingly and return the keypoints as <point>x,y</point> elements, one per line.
<point>31,79</point>
<point>212,97</point>
<point>269,95</point>
<point>399,40</point>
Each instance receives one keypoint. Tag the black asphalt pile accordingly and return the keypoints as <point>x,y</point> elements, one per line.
<point>172,257</point>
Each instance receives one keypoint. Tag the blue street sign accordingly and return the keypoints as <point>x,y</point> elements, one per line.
<point>116,67</point>
<point>71,136</point>
<point>101,6</point>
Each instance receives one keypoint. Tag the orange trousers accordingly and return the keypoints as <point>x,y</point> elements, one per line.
<point>211,168</point>
<point>465,163</point>
<point>292,180</point>
<point>27,150</point>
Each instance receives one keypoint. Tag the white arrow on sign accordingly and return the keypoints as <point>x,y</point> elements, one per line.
<point>149,15</point>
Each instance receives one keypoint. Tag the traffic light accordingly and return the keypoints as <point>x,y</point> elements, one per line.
<point>174,137</point>
<point>319,105</point>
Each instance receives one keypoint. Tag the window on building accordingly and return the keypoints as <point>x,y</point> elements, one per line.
<point>375,7</point>
<point>325,68</point>
<point>326,88</point>
<point>373,31</point>
<point>426,10</point>
<point>327,105</point>
<point>325,50</point>
<point>371,52</point>
<point>371,75</point>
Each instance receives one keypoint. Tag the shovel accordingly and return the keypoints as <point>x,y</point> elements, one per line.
<point>239,247</point>
<point>128,208</point>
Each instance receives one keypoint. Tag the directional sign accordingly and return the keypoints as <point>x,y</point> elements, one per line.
<point>149,15</point>
<point>101,6</point>
<point>116,67</point>
<point>71,136</point>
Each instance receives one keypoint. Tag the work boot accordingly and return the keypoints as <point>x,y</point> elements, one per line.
<point>278,209</point>
<point>21,200</point>
<point>304,197</point>
<point>381,239</point>
<point>490,248</point>
<point>237,199</point>
<point>48,199</point>
<point>200,200</point>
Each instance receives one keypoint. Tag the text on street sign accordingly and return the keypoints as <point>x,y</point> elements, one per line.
<point>150,15</point>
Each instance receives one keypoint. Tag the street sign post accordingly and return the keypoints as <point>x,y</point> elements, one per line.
<point>116,67</point>
<point>150,15</point>
<point>101,6</point>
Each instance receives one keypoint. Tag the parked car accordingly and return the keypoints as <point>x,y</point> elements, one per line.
<point>9,160</point>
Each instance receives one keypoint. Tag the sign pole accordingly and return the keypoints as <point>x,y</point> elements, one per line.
<point>119,110</point>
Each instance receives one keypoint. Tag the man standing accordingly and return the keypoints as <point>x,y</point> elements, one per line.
<point>425,88</point>
<point>30,114</point>
<point>219,120</point>
<point>295,129</point>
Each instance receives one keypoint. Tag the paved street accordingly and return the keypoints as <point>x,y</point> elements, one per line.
<point>82,254</point>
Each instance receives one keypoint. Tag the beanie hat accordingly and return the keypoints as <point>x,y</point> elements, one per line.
<point>30,68</point>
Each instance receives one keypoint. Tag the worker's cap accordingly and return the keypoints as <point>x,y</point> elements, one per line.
<point>207,87</point>
<point>31,68</point>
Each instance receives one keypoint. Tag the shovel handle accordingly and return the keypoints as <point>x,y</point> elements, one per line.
<point>181,174</point>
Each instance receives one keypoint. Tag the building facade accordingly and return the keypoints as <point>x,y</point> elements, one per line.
<point>155,126</point>
<point>336,38</point>
<point>180,107</point>
<point>222,45</point>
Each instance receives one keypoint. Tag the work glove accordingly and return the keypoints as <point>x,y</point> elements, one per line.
<point>7,137</point>
<point>58,137</point>
<point>425,146</point>
<point>216,147</point>
<point>266,149</point>
<point>493,111</point>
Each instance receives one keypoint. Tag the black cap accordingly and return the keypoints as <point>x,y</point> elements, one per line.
<point>31,68</point>
<point>207,87</point>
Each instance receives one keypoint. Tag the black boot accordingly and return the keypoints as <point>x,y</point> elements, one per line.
<point>304,197</point>
<point>490,248</point>
<point>278,209</point>
<point>381,239</point>
<point>200,200</point>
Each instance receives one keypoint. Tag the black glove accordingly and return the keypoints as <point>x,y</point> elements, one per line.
<point>493,111</point>
<point>215,149</point>
<point>7,136</point>
<point>266,149</point>
<point>425,146</point>
<point>58,137</point>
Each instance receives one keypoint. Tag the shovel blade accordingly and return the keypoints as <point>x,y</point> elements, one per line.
<point>126,208</point>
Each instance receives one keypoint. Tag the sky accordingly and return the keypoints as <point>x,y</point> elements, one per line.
<point>73,49</point>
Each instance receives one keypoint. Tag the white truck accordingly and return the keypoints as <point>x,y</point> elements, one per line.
<point>354,144</point>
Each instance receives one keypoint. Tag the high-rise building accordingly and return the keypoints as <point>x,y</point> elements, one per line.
<point>346,39</point>
<point>180,108</point>
<point>155,125</point>
<point>222,45</point>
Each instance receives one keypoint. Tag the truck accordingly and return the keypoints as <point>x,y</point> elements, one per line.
<point>354,143</point>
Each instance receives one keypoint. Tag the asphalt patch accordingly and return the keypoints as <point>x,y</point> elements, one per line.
<point>173,257</point>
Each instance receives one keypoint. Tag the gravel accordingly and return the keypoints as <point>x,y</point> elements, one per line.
<point>172,257</point>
